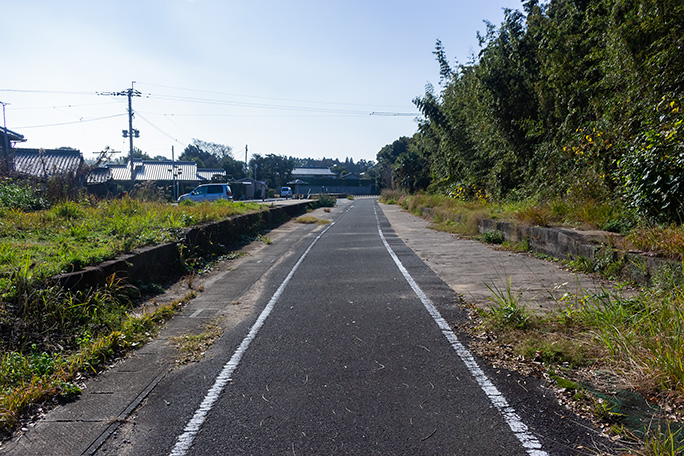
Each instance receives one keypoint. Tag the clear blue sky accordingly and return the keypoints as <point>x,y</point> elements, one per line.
<point>296,78</point>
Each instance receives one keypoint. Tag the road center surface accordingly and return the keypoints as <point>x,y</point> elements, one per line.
<point>350,362</point>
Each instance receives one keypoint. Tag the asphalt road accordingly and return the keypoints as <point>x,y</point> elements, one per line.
<point>347,351</point>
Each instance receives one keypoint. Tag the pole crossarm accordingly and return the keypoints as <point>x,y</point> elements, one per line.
<point>130,93</point>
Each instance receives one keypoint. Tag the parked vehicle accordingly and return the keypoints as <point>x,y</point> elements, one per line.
<point>285,192</point>
<point>208,192</point>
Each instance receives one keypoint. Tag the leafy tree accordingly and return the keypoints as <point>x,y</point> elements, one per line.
<point>275,170</point>
<point>212,155</point>
<point>339,169</point>
<point>387,156</point>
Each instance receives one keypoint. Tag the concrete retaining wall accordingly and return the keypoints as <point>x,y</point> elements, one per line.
<point>155,263</point>
<point>556,242</point>
<point>594,246</point>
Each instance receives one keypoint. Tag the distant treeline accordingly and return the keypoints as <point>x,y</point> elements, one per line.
<point>568,98</point>
<point>341,167</point>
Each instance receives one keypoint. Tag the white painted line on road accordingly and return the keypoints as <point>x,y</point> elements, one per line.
<point>185,440</point>
<point>526,438</point>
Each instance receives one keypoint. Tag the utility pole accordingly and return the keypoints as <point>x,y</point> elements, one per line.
<point>173,172</point>
<point>5,156</point>
<point>130,133</point>
<point>246,165</point>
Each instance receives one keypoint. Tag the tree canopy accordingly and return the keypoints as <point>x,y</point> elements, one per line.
<point>275,170</point>
<point>213,155</point>
<point>571,98</point>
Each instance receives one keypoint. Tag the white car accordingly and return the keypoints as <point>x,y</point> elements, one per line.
<point>208,192</point>
<point>285,192</point>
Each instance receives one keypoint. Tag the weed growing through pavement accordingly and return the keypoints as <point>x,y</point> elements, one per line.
<point>508,310</point>
<point>265,239</point>
<point>326,200</point>
<point>193,346</point>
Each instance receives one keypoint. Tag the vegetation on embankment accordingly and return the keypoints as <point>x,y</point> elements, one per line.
<point>50,336</point>
<point>579,100</point>
<point>604,352</point>
<point>461,215</point>
<point>73,234</point>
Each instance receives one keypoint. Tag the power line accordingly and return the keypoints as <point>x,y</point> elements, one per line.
<point>160,130</point>
<point>395,114</point>
<point>60,92</point>
<point>264,98</point>
<point>256,105</point>
<point>26,108</point>
<point>71,122</point>
<point>327,115</point>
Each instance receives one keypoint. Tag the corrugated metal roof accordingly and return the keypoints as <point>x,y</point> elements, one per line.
<point>158,170</point>
<point>208,173</point>
<point>46,163</point>
<point>99,176</point>
<point>120,172</point>
<point>185,171</point>
<point>313,172</point>
<point>163,170</point>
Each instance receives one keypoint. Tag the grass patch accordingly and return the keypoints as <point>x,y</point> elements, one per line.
<point>193,346</point>
<point>508,311</point>
<point>462,215</point>
<point>52,370</point>
<point>638,338</point>
<point>69,236</point>
<point>310,219</point>
<point>667,240</point>
<point>51,337</point>
<point>390,196</point>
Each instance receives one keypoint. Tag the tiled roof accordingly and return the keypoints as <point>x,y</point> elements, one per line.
<point>45,163</point>
<point>11,135</point>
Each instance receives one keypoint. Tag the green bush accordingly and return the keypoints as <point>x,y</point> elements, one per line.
<point>20,196</point>
<point>653,168</point>
<point>493,237</point>
<point>325,200</point>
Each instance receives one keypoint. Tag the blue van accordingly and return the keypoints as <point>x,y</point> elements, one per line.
<point>208,192</point>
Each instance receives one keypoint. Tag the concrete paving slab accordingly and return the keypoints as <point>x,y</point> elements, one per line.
<point>57,438</point>
<point>468,266</point>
